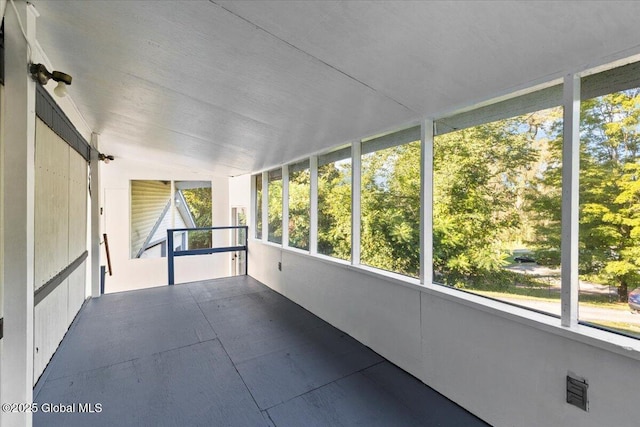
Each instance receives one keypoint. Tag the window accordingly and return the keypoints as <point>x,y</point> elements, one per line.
<point>153,213</point>
<point>299,205</point>
<point>496,209</point>
<point>390,203</point>
<point>334,204</point>
<point>274,192</point>
<point>258,207</point>
<point>194,210</point>
<point>609,239</point>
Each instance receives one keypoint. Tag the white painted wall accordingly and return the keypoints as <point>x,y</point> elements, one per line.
<point>18,151</point>
<point>130,273</point>
<point>513,374</point>
<point>238,194</point>
<point>504,364</point>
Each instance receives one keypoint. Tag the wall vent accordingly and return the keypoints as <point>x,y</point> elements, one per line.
<point>577,392</point>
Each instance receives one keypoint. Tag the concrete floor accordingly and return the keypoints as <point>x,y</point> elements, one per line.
<point>225,352</point>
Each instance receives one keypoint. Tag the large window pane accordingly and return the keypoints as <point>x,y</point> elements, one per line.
<point>194,210</point>
<point>496,213</point>
<point>274,211</point>
<point>258,207</point>
<point>334,205</point>
<point>390,209</point>
<point>609,259</point>
<point>299,205</point>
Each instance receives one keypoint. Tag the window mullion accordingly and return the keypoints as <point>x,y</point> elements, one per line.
<point>285,206</point>
<point>265,206</point>
<point>313,206</point>
<point>426,202</point>
<point>356,178</point>
<point>570,201</point>
<point>254,205</point>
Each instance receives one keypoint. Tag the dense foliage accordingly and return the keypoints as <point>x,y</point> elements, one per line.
<point>199,204</point>
<point>609,190</point>
<point>390,206</point>
<point>299,205</point>
<point>479,187</point>
<point>274,194</point>
<point>334,209</point>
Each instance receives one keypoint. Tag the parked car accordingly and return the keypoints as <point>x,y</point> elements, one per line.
<point>523,258</point>
<point>634,300</point>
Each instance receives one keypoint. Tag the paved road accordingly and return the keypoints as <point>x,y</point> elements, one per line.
<point>587,313</point>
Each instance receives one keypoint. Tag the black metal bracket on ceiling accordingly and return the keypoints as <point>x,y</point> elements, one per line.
<point>1,327</point>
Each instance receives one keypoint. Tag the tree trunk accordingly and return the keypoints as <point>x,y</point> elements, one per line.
<point>623,293</point>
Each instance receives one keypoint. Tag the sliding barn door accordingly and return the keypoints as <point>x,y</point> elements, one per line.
<point>61,188</point>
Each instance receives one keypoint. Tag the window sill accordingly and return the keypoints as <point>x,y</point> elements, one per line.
<point>625,346</point>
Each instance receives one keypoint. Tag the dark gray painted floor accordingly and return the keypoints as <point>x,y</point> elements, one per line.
<point>226,352</point>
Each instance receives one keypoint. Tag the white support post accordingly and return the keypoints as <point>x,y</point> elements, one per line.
<point>570,202</point>
<point>265,206</point>
<point>285,206</point>
<point>253,209</point>
<point>313,206</point>
<point>94,169</point>
<point>356,180</point>
<point>426,202</point>
<point>18,206</point>
<point>172,206</point>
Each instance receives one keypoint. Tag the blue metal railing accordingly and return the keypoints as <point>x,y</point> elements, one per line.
<point>171,253</point>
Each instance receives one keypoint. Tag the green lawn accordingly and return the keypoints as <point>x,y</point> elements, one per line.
<point>624,327</point>
<point>545,295</point>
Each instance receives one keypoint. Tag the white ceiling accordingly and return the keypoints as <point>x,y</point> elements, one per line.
<point>239,86</point>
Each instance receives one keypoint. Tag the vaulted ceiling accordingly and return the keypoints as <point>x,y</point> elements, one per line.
<point>238,86</point>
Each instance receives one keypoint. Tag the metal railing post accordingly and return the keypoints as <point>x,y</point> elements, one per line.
<point>170,255</point>
<point>246,250</point>
<point>103,274</point>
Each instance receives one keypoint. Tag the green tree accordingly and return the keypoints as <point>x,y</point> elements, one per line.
<point>609,234</point>
<point>274,211</point>
<point>390,206</point>
<point>334,209</point>
<point>477,174</point>
<point>199,204</point>
<point>609,190</point>
<point>299,205</point>
<point>543,195</point>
